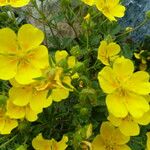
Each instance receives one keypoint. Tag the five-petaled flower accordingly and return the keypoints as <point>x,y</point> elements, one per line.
<point>110,8</point>
<point>125,89</point>
<point>110,138</point>
<point>39,143</point>
<point>21,56</point>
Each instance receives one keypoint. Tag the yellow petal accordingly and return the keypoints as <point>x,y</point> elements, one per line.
<point>129,127</point>
<point>37,101</point>
<point>123,147</point>
<point>118,11</point>
<point>26,73</point>
<point>3,3</point>
<point>148,140</point>
<point>15,112</point>
<point>71,61</point>
<point>2,123</point>
<point>123,68</point>
<point>98,143</point>
<point>8,44</point>
<point>112,134</point>
<point>20,96</point>
<point>48,102</point>
<point>89,2</point>
<point>116,100</point>
<point>39,143</point>
<point>38,57</point>
<point>8,67</point>
<point>113,49</point>
<point>10,124</point>
<point>59,94</point>
<point>136,105</point>
<point>114,120</point>
<point>19,3</point>
<point>30,114</point>
<point>139,83</point>
<point>145,119</point>
<point>107,80</point>
<point>30,37</point>
<point>59,55</point>
<point>62,144</point>
<point>102,53</point>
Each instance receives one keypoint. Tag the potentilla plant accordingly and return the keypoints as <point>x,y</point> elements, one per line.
<point>71,77</point>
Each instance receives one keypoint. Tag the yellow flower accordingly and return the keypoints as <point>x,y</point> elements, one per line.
<point>62,86</point>
<point>60,55</point>
<point>108,52</point>
<point>110,8</point>
<point>129,126</point>
<point>20,112</point>
<point>22,56</point>
<point>148,141</point>
<point>89,2</point>
<point>6,124</point>
<point>39,143</point>
<point>110,138</point>
<point>28,95</point>
<point>14,3</point>
<point>125,89</point>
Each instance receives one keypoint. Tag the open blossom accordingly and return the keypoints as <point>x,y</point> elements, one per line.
<point>110,138</point>
<point>21,56</point>
<point>129,126</point>
<point>125,89</point>
<point>6,124</point>
<point>110,8</point>
<point>107,52</point>
<point>39,143</point>
<point>14,3</point>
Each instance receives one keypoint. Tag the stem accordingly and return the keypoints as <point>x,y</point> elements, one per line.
<point>137,27</point>
<point>6,143</point>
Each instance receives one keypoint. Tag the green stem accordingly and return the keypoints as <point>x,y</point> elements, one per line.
<point>137,27</point>
<point>6,143</point>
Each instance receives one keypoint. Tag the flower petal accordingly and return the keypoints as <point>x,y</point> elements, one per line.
<point>139,83</point>
<point>145,119</point>
<point>102,53</point>
<point>113,49</point>
<point>8,44</point>
<point>26,73</point>
<point>37,101</point>
<point>129,128</point>
<point>123,147</point>
<point>30,114</point>
<point>118,11</point>
<point>62,144</point>
<point>98,143</point>
<point>39,143</point>
<point>29,37</point>
<point>8,67</point>
<point>114,101</point>
<point>38,57</point>
<point>123,68</point>
<point>59,94</point>
<point>10,124</point>
<point>20,96</point>
<point>107,80</point>
<point>136,105</point>
<point>15,112</point>
<point>59,55</point>
<point>19,3</point>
